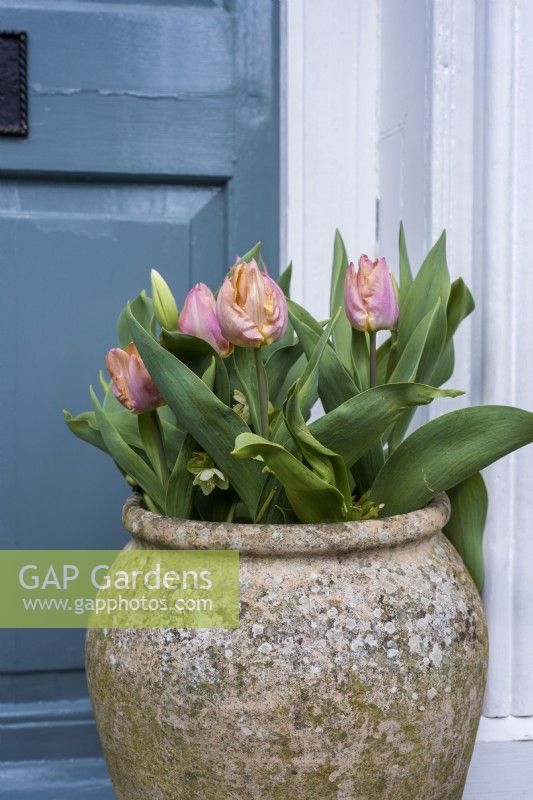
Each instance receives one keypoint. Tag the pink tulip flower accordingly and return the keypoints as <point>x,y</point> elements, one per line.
<point>370,298</point>
<point>199,318</point>
<point>132,384</point>
<point>251,307</point>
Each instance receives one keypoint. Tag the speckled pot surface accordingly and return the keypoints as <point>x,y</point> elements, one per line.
<point>357,672</point>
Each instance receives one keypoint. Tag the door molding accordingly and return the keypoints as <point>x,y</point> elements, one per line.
<point>36,731</point>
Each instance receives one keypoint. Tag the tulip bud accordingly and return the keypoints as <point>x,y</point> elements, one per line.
<point>132,384</point>
<point>198,318</point>
<point>370,299</point>
<point>165,308</point>
<point>251,307</point>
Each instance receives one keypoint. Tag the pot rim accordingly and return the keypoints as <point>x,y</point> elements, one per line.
<point>158,531</point>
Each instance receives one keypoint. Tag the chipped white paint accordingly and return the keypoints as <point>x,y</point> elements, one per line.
<point>432,112</point>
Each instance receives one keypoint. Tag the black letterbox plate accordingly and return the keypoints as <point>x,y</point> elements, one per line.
<point>13,87</point>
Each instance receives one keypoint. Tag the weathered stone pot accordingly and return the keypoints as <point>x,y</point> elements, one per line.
<point>357,673</point>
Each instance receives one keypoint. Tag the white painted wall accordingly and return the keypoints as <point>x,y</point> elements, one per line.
<point>428,105</point>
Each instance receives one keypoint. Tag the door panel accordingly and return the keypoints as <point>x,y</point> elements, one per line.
<point>69,275</point>
<point>153,142</point>
<point>141,90</point>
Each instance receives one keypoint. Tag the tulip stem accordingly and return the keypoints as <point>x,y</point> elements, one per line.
<point>262,388</point>
<point>373,360</point>
<point>157,438</point>
<point>231,513</point>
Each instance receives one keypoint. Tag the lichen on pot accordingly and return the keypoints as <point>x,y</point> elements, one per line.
<point>357,672</point>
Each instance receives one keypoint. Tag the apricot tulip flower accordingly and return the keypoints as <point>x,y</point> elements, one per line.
<point>369,296</point>
<point>132,384</point>
<point>199,318</point>
<point>251,307</point>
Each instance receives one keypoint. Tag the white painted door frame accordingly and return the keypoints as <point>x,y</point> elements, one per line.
<point>426,104</point>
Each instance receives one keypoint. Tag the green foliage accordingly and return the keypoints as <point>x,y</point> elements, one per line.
<point>448,450</point>
<point>245,369</point>
<point>324,462</point>
<point>466,525</point>
<point>343,331</point>
<point>142,309</point>
<point>354,461</point>
<point>284,280</point>
<point>283,368</point>
<point>312,498</point>
<point>201,413</point>
<point>179,496</point>
<point>406,276</point>
<point>360,421</point>
<point>125,456</point>
<point>335,384</point>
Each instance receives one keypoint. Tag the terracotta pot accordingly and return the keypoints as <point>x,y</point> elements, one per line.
<point>357,672</point>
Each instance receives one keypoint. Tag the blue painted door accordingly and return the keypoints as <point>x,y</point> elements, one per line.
<point>153,142</point>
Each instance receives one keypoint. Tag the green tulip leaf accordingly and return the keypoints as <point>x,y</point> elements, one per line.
<point>284,280</point>
<point>460,305</point>
<point>104,383</point>
<point>86,427</point>
<point>417,363</point>
<point>207,419</point>
<point>406,275</point>
<point>408,363</point>
<point>307,381</point>
<point>180,487</point>
<point>81,427</point>
<point>151,433</point>
<point>310,376</point>
<point>343,332</point>
<point>245,369</point>
<point>327,464</point>
<point>312,499</point>
<point>433,346</point>
<point>126,424</point>
<point>253,253</point>
<point>209,374</point>
<point>127,459</point>
<point>446,451</point>
<point>184,346</point>
<point>445,366</point>
<point>283,368</point>
<point>222,383</point>
<point>357,424</point>
<point>431,283</point>
<point>335,384</point>
<point>142,309</point>
<point>465,528</point>
<point>198,355</point>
